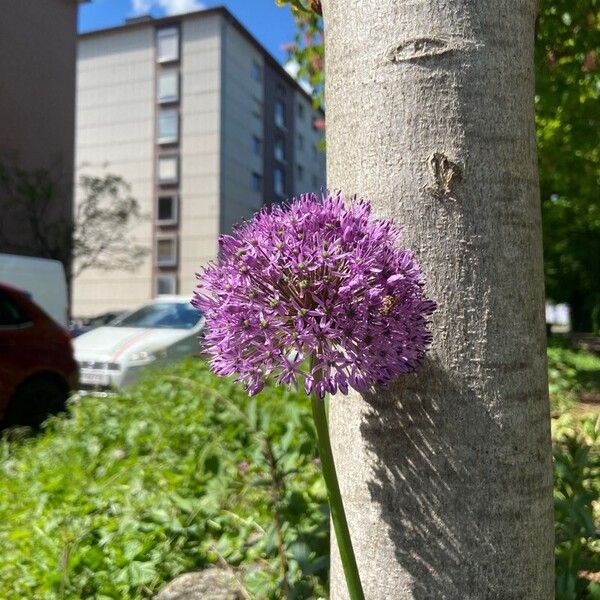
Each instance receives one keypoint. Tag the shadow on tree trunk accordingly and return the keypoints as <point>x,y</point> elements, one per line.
<point>443,502</point>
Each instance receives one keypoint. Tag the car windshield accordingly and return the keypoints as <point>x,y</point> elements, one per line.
<point>104,319</point>
<point>170,315</point>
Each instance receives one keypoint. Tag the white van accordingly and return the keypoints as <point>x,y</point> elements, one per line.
<point>43,279</point>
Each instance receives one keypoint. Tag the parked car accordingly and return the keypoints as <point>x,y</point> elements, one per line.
<point>163,331</point>
<point>80,326</point>
<point>42,279</point>
<point>37,367</point>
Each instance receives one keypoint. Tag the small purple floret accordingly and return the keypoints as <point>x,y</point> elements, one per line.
<point>317,279</point>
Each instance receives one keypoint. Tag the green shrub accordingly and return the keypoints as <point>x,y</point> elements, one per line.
<point>576,497</point>
<point>137,488</point>
<point>576,440</point>
<point>186,471</point>
<point>571,372</point>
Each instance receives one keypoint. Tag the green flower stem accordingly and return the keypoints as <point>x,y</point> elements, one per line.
<point>335,501</point>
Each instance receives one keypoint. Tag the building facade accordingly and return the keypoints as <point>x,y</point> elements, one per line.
<point>204,125</point>
<point>38,44</point>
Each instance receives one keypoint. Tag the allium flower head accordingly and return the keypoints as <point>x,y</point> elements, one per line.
<point>317,290</point>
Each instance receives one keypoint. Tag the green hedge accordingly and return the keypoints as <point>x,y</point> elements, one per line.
<point>137,488</point>
<point>577,506</point>
<point>186,471</point>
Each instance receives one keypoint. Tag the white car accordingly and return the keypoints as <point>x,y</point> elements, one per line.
<point>163,331</point>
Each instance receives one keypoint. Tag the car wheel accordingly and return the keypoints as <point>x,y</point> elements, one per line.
<point>35,400</point>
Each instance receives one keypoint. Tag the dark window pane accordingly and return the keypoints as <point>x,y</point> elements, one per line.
<point>256,182</point>
<point>166,208</point>
<point>279,181</point>
<point>166,284</point>
<point>279,149</point>
<point>11,313</point>
<point>279,114</point>
<point>256,145</point>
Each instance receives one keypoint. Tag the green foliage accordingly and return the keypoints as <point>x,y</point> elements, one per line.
<point>576,493</point>
<point>185,471</point>
<point>571,372</point>
<point>182,472</point>
<point>576,449</point>
<point>568,121</point>
<point>307,48</point>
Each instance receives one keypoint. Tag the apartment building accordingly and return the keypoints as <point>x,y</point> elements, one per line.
<point>206,127</point>
<point>38,44</point>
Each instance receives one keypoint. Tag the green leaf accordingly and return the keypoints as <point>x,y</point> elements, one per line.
<point>138,573</point>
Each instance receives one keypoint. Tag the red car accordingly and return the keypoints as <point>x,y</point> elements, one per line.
<point>37,368</point>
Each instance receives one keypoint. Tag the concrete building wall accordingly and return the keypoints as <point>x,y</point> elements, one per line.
<point>200,146</point>
<point>242,124</point>
<point>228,87</point>
<point>37,99</point>
<point>309,156</point>
<point>115,134</point>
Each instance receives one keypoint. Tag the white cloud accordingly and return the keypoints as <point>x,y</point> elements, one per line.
<point>141,7</point>
<point>176,7</point>
<point>171,7</point>
<point>292,67</point>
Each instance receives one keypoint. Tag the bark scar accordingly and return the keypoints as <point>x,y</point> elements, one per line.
<point>418,48</point>
<point>446,174</point>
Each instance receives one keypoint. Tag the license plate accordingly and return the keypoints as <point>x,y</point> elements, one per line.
<point>94,377</point>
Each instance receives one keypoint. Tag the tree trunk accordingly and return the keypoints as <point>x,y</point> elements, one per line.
<point>446,476</point>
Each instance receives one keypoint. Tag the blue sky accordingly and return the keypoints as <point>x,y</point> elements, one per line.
<point>271,25</point>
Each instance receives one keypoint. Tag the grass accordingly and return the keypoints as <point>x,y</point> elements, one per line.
<point>133,490</point>
<point>574,377</point>
<point>185,471</point>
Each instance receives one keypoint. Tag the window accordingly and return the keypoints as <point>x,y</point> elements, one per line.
<point>301,112</point>
<point>11,314</point>
<point>279,149</point>
<point>166,251</point>
<point>256,71</point>
<point>256,145</point>
<point>166,284</point>
<point>167,44</point>
<point>300,142</point>
<point>168,86</point>
<point>279,181</point>
<point>168,126</point>
<point>300,172</point>
<point>167,210</point>
<point>256,182</point>
<point>257,108</point>
<point>279,114</point>
<point>168,169</point>
<point>281,89</point>
<point>315,182</point>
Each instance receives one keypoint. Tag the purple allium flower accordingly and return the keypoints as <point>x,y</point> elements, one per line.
<point>318,282</point>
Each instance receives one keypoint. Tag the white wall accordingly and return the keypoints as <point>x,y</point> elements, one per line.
<point>115,134</point>
<point>200,146</point>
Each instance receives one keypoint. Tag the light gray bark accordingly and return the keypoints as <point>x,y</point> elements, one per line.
<point>447,476</point>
